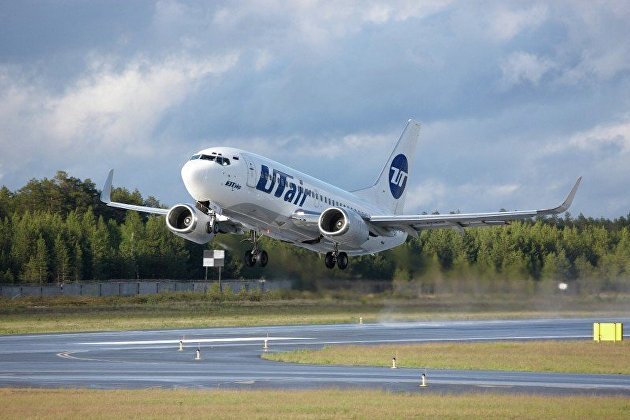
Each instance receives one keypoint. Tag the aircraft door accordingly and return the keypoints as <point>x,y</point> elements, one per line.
<point>252,176</point>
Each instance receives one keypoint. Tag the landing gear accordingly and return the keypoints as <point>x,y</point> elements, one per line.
<point>340,259</point>
<point>329,260</point>
<point>256,255</point>
<point>213,225</point>
<point>263,258</point>
<point>250,259</point>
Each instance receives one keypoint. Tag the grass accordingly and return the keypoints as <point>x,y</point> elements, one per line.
<point>196,310</point>
<point>320,404</point>
<point>533,356</point>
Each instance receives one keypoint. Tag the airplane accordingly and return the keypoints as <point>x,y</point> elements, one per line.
<point>239,192</point>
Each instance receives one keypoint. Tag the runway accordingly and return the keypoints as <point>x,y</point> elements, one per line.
<point>230,357</point>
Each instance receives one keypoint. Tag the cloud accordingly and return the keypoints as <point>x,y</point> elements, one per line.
<point>593,49</point>
<point>521,67</point>
<point>318,23</point>
<point>116,108</point>
<point>507,23</point>
<point>598,65</point>
<point>613,137</point>
<point>435,195</point>
<point>112,110</point>
<point>602,136</point>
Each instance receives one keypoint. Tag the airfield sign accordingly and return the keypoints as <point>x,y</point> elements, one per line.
<point>214,258</point>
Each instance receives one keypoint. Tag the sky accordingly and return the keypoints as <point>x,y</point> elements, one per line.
<point>516,99</point>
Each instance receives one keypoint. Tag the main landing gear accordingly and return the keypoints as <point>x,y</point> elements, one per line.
<point>336,258</point>
<point>255,255</point>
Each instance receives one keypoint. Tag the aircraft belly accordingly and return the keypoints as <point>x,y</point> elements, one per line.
<point>276,225</point>
<point>269,223</point>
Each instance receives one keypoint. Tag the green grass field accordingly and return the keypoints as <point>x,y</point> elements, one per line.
<point>320,404</point>
<point>187,310</point>
<point>536,356</point>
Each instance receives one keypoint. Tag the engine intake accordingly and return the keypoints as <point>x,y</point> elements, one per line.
<point>189,223</point>
<point>343,226</point>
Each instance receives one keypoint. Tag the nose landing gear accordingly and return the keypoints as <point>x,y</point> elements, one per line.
<point>336,258</point>
<point>256,255</point>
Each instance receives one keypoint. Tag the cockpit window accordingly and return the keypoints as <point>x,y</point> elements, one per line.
<point>223,161</point>
<point>213,158</point>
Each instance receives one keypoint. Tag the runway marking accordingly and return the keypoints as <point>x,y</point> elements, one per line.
<point>68,355</point>
<point>193,341</point>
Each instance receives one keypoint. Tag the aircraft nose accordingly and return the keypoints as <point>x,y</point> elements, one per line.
<point>195,177</point>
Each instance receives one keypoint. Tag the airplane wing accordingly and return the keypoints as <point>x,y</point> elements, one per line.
<point>106,197</point>
<point>414,223</point>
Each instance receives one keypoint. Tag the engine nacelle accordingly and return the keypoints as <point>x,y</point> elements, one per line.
<point>343,226</point>
<point>190,223</point>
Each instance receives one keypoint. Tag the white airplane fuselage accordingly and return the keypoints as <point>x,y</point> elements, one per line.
<point>274,200</point>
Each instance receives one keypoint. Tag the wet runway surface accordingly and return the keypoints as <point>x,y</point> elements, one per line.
<point>230,357</point>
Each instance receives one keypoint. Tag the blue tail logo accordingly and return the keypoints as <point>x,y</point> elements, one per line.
<point>398,175</point>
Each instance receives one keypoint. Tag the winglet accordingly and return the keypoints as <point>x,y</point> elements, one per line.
<point>106,194</point>
<point>567,203</point>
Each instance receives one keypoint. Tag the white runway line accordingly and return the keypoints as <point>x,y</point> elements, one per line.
<point>193,340</point>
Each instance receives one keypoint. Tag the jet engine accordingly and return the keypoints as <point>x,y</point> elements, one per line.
<point>190,223</point>
<point>343,226</point>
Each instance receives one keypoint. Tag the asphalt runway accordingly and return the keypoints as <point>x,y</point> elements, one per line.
<point>230,357</point>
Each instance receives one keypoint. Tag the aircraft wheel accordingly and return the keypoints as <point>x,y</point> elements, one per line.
<point>329,260</point>
<point>263,258</point>
<point>342,260</point>
<point>250,259</point>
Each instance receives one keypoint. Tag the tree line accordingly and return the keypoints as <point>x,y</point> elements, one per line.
<point>57,230</point>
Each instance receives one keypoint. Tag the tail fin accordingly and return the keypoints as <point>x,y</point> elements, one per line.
<point>390,190</point>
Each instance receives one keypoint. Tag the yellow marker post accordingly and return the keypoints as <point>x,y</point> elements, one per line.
<point>607,331</point>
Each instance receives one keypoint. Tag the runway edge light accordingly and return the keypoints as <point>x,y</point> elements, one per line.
<point>423,380</point>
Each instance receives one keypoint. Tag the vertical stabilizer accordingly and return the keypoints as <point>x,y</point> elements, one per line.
<point>390,189</point>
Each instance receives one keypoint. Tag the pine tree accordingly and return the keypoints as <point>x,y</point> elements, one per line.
<point>36,269</point>
<point>77,266</point>
<point>62,260</point>
<point>132,234</point>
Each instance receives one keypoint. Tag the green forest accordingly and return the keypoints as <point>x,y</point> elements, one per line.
<point>56,230</point>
